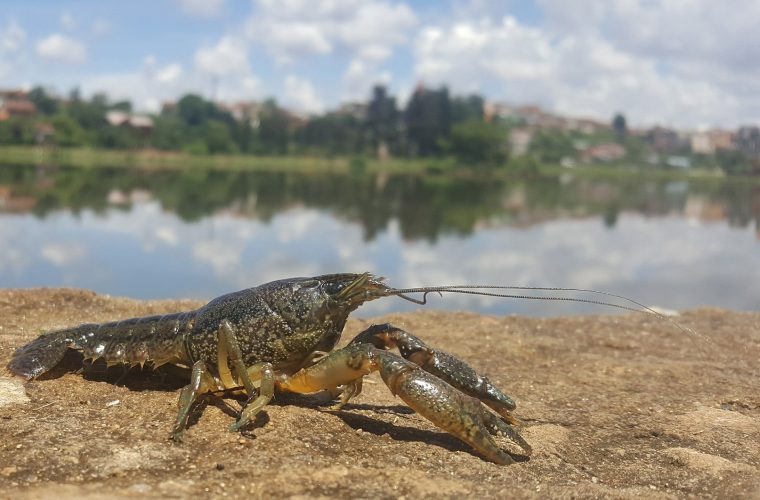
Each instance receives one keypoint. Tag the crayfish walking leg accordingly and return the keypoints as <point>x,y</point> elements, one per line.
<point>201,381</point>
<point>445,406</point>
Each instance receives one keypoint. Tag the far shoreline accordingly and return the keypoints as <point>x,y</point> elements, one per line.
<point>149,159</point>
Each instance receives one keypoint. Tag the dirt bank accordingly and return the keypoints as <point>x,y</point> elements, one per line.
<point>614,406</point>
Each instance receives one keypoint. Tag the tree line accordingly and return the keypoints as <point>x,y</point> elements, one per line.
<point>432,124</point>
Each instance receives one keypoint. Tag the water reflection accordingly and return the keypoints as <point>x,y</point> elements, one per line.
<point>202,233</point>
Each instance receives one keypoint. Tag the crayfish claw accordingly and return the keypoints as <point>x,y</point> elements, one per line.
<point>461,415</point>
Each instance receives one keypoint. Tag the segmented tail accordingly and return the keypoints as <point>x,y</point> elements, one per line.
<point>41,354</point>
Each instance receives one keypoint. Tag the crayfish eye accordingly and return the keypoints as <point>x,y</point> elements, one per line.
<point>334,288</point>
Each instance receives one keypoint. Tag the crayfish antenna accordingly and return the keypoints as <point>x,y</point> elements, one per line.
<point>478,290</point>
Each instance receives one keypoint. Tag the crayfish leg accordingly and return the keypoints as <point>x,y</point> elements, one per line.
<point>263,373</point>
<point>201,382</point>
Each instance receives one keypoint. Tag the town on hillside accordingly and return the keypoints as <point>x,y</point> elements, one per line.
<point>432,124</point>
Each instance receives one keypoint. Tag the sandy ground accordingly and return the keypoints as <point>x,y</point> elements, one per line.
<point>614,406</point>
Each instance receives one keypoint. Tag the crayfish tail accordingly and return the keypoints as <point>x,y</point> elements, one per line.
<point>40,355</point>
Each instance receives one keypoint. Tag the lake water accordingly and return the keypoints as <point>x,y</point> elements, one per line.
<point>199,234</point>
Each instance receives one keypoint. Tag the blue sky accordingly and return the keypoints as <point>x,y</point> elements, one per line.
<point>687,63</point>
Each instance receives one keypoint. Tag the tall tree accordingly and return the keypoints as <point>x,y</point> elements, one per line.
<point>274,129</point>
<point>44,102</point>
<point>428,120</point>
<point>467,108</point>
<point>619,126</point>
<point>382,118</point>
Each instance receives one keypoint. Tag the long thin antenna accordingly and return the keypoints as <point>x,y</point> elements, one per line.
<point>477,290</point>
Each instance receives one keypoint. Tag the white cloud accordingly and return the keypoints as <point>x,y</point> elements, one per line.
<point>12,37</point>
<point>63,254</point>
<point>222,256</point>
<point>146,87</point>
<point>228,57</point>
<point>360,77</point>
<point>574,68</point>
<point>170,74</point>
<point>301,95</point>
<point>67,21</point>
<point>202,8</point>
<point>61,48</point>
<point>293,29</point>
<point>153,83</point>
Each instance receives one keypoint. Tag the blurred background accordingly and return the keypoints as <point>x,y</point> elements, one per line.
<point>188,148</point>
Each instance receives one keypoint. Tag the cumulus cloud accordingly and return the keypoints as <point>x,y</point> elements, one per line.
<point>573,66</point>
<point>61,48</point>
<point>360,77</point>
<point>146,86</point>
<point>293,29</point>
<point>301,95</point>
<point>153,83</point>
<point>228,57</point>
<point>202,8</point>
<point>170,74</point>
<point>63,254</point>
<point>12,37</point>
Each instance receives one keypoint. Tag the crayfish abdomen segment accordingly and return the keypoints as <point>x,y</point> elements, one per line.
<point>155,339</point>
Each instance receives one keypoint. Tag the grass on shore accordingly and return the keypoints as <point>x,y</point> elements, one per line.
<point>163,160</point>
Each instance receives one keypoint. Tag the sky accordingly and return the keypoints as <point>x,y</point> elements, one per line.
<point>684,63</point>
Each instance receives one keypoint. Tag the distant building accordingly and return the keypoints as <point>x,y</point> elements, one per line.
<point>664,140</point>
<point>536,117</point>
<point>748,141</point>
<point>14,94</point>
<point>722,139</point>
<point>519,141</point>
<point>496,110</point>
<point>607,152</point>
<point>585,125</point>
<point>244,112</point>
<point>701,143</point>
<point>710,141</point>
<point>16,108</point>
<point>141,123</point>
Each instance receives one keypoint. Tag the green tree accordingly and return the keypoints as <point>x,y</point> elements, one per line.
<point>382,118</point>
<point>733,162</point>
<point>274,129</point>
<point>90,115</point>
<point>169,132</point>
<point>17,131</point>
<point>332,134</point>
<point>67,131</point>
<point>551,146</point>
<point>194,110</point>
<point>125,106</point>
<point>467,108</point>
<point>44,102</point>
<point>619,126</point>
<point>111,137</point>
<point>428,120</point>
<point>218,137</point>
<point>477,142</point>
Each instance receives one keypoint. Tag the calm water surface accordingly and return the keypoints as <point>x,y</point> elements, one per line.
<point>200,234</point>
